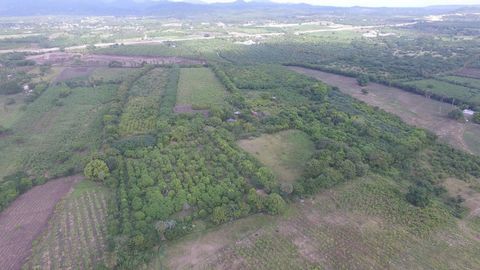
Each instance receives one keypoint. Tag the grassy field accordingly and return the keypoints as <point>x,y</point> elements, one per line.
<point>285,152</point>
<point>9,113</point>
<point>472,138</point>
<point>474,83</point>
<point>200,88</point>
<point>458,92</point>
<point>361,225</point>
<point>76,235</point>
<point>52,134</point>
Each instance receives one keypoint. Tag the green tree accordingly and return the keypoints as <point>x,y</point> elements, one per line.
<point>363,80</point>
<point>456,114</point>
<point>96,170</point>
<point>275,204</point>
<point>476,117</point>
<point>418,196</point>
<point>219,215</point>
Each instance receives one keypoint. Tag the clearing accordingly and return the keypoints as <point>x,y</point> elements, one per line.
<point>26,218</point>
<point>76,234</point>
<point>285,152</point>
<point>411,108</point>
<point>200,88</point>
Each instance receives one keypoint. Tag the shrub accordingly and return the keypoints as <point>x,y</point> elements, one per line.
<point>10,88</point>
<point>418,196</point>
<point>275,204</point>
<point>456,114</point>
<point>96,170</point>
<point>476,117</point>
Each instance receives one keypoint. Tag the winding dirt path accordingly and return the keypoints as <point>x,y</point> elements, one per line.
<point>27,217</point>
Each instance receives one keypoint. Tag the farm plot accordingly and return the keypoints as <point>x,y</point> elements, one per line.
<point>200,88</point>
<point>26,218</point>
<point>76,234</point>
<point>142,108</point>
<point>73,73</point>
<point>353,226</point>
<point>53,134</point>
<point>469,72</point>
<point>470,82</point>
<point>445,89</point>
<point>286,152</point>
<point>413,109</point>
<point>113,75</point>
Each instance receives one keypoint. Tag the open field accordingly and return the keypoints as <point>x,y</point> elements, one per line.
<point>360,225</point>
<point>116,75</point>
<point>446,89</point>
<point>286,152</point>
<point>413,109</point>
<point>471,82</point>
<point>200,88</point>
<point>73,73</point>
<point>27,217</point>
<point>76,234</point>
<point>9,113</point>
<point>53,134</point>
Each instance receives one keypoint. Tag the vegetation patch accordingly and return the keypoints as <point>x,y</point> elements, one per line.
<point>200,88</point>
<point>449,90</point>
<point>348,225</point>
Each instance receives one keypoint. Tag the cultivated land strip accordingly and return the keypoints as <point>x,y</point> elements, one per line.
<point>26,218</point>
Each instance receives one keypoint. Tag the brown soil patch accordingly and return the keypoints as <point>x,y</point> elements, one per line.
<point>469,72</point>
<point>73,72</point>
<point>413,109</point>
<point>188,109</point>
<point>200,249</point>
<point>27,217</point>
<point>472,197</point>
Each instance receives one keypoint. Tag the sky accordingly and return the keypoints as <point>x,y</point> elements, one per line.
<point>372,3</point>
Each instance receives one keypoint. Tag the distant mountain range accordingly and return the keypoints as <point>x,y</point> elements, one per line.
<point>189,7</point>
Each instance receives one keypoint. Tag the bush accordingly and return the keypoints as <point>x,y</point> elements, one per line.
<point>10,88</point>
<point>418,196</point>
<point>456,114</point>
<point>96,170</point>
<point>363,80</point>
<point>476,117</point>
<point>275,204</point>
